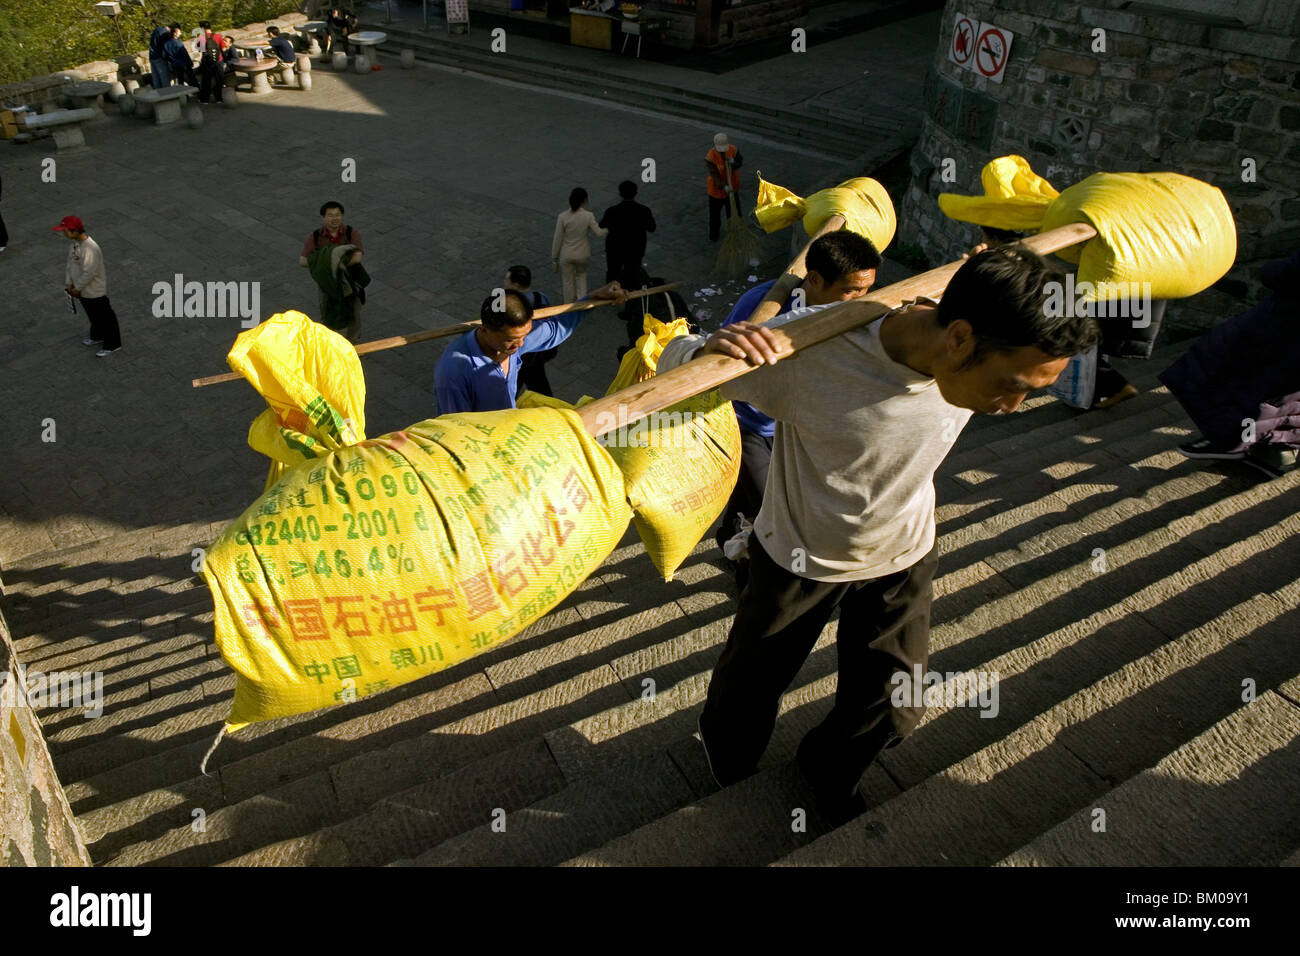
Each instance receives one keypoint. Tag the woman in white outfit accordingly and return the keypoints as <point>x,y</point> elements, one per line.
<point>570,250</point>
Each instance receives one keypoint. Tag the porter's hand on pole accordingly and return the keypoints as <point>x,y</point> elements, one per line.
<point>756,344</point>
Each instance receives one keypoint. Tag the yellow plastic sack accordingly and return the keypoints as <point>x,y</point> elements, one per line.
<point>311,378</point>
<point>680,464</point>
<point>377,564</point>
<point>1015,197</point>
<point>863,202</point>
<point>1172,231</point>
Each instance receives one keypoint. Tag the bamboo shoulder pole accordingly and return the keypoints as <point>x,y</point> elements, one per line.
<point>796,273</point>
<point>709,371</point>
<point>397,341</point>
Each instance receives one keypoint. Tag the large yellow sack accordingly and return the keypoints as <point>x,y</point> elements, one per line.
<point>680,464</point>
<point>863,202</point>
<point>1172,231</point>
<point>311,378</point>
<point>382,562</point>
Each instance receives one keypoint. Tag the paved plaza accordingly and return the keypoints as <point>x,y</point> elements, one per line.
<point>457,178</point>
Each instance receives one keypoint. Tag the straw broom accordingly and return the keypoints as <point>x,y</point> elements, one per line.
<point>740,244</point>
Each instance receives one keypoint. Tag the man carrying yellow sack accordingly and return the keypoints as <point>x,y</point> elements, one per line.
<point>863,422</point>
<point>841,265</point>
<point>479,372</point>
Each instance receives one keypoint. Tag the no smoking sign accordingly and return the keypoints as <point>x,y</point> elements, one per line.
<point>992,48</point>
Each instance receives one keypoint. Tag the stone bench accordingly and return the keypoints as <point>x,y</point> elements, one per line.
<point>163,105</point>
<point>64,126</point>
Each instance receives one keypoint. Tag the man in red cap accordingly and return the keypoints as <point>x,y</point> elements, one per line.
<point>87,282</point>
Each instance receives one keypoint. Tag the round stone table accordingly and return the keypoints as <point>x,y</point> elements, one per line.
<point>369,41</point>
<point>316,31</point>
<point>256,71</point>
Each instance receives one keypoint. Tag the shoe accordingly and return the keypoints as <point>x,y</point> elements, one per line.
<point>837,809</point>
<point>1204,448</point>
<point>102,352</point>
<point>723,780</point>
<point>92,341</point>
<point>1112,388</point>
<point>1273,460</point>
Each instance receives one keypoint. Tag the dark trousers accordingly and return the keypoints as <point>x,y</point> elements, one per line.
<point>884,628</point>
<point>532,372</point>
<point>718,206</point>
<point>211,81</point>
<point>747,498</point>
<point>4,233</point>
<point>103,321</point>
<point>184,76</point>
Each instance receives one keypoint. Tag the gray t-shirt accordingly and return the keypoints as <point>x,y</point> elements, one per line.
<point>850,491</point>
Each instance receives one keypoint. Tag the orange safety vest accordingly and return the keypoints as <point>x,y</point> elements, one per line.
<point>720,161</point>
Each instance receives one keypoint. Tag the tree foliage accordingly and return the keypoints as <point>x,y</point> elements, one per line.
<point>38,37</point>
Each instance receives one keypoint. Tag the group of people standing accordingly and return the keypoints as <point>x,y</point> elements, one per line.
<point>170,60</point>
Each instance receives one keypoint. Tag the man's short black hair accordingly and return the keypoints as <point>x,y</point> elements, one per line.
<point>205,25</point>
<point>173,26</point>
<point>1003,293</point>
<point>836,254</point>
<point>331,205</point>
<point>274,31</point>
<point>627,189</point>
<point>513,312</point>
<point>521,276</point>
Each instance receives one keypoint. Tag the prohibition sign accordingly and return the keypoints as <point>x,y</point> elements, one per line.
<point>991,52</point>
<point>963,41</point>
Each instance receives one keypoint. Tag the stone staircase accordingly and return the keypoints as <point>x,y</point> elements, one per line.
<point>868,137</point>
<point>1120,676</point>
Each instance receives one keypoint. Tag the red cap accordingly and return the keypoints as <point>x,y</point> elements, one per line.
<point>69,222</point>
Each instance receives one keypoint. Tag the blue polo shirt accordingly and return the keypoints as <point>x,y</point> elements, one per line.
<point>748,417</point>
<point>466,380</point>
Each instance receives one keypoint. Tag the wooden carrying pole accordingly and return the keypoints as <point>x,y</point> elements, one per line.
<point>709,371</point>
<point>397,341</point>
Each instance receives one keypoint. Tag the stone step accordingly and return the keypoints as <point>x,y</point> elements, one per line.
<point>545,832</point>
<point>834,122</point>
<point>106,605</point>
<point>364,837</point>
<point>832,137</point>
<point>542,664</point>
<point>1224,798</point>
<point>187,607</point>
<point>37,574</point>
<point>976,810</point>
<point>372,773</point>
<point>422,816</point>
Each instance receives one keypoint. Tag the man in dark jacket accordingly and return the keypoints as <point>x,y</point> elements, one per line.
<point>1232,369</point>
<point>628,223</point>
<point>178,59</point>
<point>159,71</point>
